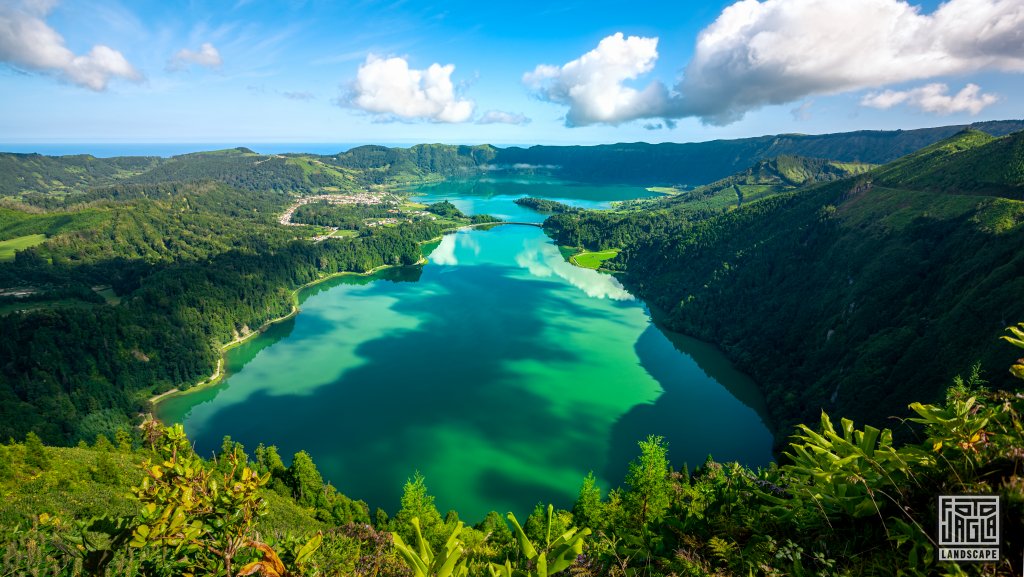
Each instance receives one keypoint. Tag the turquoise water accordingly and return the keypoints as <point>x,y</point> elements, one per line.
<point>494,196</point>
<point>501,372</point>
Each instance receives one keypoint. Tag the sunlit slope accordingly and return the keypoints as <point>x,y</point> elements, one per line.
<point>765,178</point>
<point>971,162</point>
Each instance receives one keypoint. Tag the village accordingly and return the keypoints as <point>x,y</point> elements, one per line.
<point>365,198</point>
<point>357,198</point>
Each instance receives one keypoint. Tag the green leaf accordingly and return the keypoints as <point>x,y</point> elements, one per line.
<point>309,548</point>
<point>529,551</point>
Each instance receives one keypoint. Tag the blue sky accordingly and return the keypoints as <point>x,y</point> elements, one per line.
<point>583,72</point>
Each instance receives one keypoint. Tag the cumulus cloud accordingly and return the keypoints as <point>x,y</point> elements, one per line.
<point>760,53</point>
<point>501,117</point>
<point>593,85</point>
<point>933,98</point>
<point>390,89</point>
<point>28,43</point>
<point>778,51</point>
<point>207,56</point>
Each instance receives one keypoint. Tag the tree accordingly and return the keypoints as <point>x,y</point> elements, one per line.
<point>417,503</point>
<point>648,482</point>
<point>125,440</point>
<point>498,535</point>
<point>589,511</point>
<point>103,444</point>
<point>305,480</point>
<point>35,452</point>
<point>268,460</point>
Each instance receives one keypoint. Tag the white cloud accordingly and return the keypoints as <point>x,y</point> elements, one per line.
<point>502,117</point>
<point>593,84</point>
<point>389,88</point>
<point>28,43</point>
<point>760,53</point>
<point>933,98</point>
<point>778,51</point>
<point>208,56</point>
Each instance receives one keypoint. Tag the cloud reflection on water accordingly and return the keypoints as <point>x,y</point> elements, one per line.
<point>445,252</point>
<point>544,260</point>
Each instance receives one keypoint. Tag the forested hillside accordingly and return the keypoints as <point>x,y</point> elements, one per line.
<point>383,165</point>
<point>183,268</point>
<point>849,296</point>
<point>246,170</point>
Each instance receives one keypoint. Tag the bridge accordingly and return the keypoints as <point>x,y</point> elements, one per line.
<point>502,222</point>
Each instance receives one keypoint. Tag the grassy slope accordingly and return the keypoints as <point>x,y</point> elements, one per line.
<point>762,180</point>
<point>15,223</point>
<point>972,163</point>
<point>593,260</point>
<point>86,482</point>
<point>9,247</point>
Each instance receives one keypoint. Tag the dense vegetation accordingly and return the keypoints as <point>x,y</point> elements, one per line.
<point>383,165</point>
<point>450,212</point>
<point>343,216</point>
<point>846,295</point>
<point>855,291</point>
<point>544,205</point>
<point>847,501</point>
<point>244,169</point>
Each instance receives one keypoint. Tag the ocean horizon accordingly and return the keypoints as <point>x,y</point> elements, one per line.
<point>168,149</point>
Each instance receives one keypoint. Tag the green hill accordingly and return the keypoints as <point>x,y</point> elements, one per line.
<point>846,296</point>
<point>31,176</point>
<point>766,178</point>
<point>246,170</point>
<point>971,162</point>
<point>383,165</point>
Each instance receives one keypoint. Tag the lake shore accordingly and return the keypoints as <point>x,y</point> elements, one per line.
<point>219,373</point>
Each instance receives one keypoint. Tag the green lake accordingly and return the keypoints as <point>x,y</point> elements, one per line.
<point>498,370</point>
